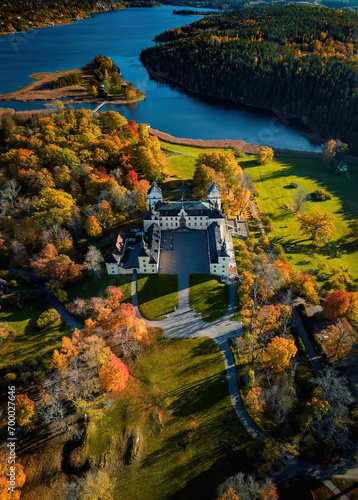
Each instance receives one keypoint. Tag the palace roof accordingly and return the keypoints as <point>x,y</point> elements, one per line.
<point>118,248</point>
<point>154,188</point>
<point>152,245</point>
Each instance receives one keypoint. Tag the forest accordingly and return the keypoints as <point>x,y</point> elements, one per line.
<point>297,60</point>
<point>67,179</point>
<point>40,13</point>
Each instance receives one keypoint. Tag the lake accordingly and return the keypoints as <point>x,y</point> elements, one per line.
<point>121,35</point>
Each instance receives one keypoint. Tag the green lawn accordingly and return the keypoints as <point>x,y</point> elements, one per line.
<point>182,384</point>
<point>208,296</point>
<point>94,287</point>
<point>30,342</point>
<point>348,486</point>
<point>182,163</point>
<point>182,167</point>
<point>272,183</point>
<point>157,295</point>
<point>190,149</point>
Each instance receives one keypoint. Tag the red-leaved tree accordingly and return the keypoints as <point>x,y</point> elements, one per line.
<point>336,304</point>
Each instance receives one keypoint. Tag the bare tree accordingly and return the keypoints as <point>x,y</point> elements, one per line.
<point>76,222</point>
<point>302,195</point>
<point>246,488</point>
<point>334,424</point>
<point>279,397</point>
<point>19,253</point>
<point>8,194</point>
<point>51,407</point>
<point>93,261</point>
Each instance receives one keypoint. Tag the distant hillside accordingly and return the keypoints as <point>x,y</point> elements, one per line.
<point>350,5</point>
<point>296,60</point>
<point>22,15</point>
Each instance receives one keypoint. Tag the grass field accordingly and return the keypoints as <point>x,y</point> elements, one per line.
<point>208,296</point>
<point>181,164</point>
<point>182,167</point>
<point>272,183</point>
<point>348,486</point>
<point>157,295</point>
<point>94,287</point>
<point>30,342</point>
<point>178,402</point>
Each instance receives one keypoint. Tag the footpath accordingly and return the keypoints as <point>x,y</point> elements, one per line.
<point>186,323</point>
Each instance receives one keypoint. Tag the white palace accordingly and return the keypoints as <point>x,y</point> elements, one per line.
<point>175,216</point>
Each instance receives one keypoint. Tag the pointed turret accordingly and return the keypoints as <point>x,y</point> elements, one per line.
<point>223,250</point>
<point>213,195</point>
<point>154,195</point>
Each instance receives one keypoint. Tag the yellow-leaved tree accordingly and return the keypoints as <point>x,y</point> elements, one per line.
<point>278,354</point>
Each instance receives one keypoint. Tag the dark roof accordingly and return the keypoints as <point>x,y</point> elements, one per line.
<point>148,215</point>
<point>177,205</point>
<point>154,189</point>
<point>152,247</point>
<point>111,259</point>
<point>214,241</point>
<point>118,248</point>
<point>216,214</point>
<point>213,187</point>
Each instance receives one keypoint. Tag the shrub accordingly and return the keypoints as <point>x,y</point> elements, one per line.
<point>77,459</point>
<point>39,378</point>
<point>7,332</point>
<point>47,318</point>
<point>247,265</point>
<point>10,377</point>
<point>293,185</point>
<point>12,283</point>
<point>25,378</point>
<point>320,195</point>
<point>266,220</point>
<point>268,229</point>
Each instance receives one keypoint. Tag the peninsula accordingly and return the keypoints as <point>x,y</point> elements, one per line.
<point>88,87</point>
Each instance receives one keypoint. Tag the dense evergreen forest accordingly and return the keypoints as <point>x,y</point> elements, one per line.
<point>297,60</point>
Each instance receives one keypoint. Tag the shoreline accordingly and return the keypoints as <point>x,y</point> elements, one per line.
<point>41,89</point>
<point>304,130</point>
<point>231,144</point>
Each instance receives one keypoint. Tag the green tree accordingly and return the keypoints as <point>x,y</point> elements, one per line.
<point>53,207</point>
<point>265,155</point>
<point>110,120</point>
<point>317,226</point>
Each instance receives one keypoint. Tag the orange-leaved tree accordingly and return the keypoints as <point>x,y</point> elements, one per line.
<point>113,375</point>
<point>5,493</point>
<point>25,412</point>
<point>352,311</point>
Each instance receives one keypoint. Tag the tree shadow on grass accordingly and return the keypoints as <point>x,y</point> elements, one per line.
<point>157,289</point>
<point>201,458</point>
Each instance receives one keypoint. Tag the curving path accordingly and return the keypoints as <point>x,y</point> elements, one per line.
<point>65,315</point>
<point>185,323</point>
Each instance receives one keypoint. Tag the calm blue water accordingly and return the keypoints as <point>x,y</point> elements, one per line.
<point>121,35</point>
